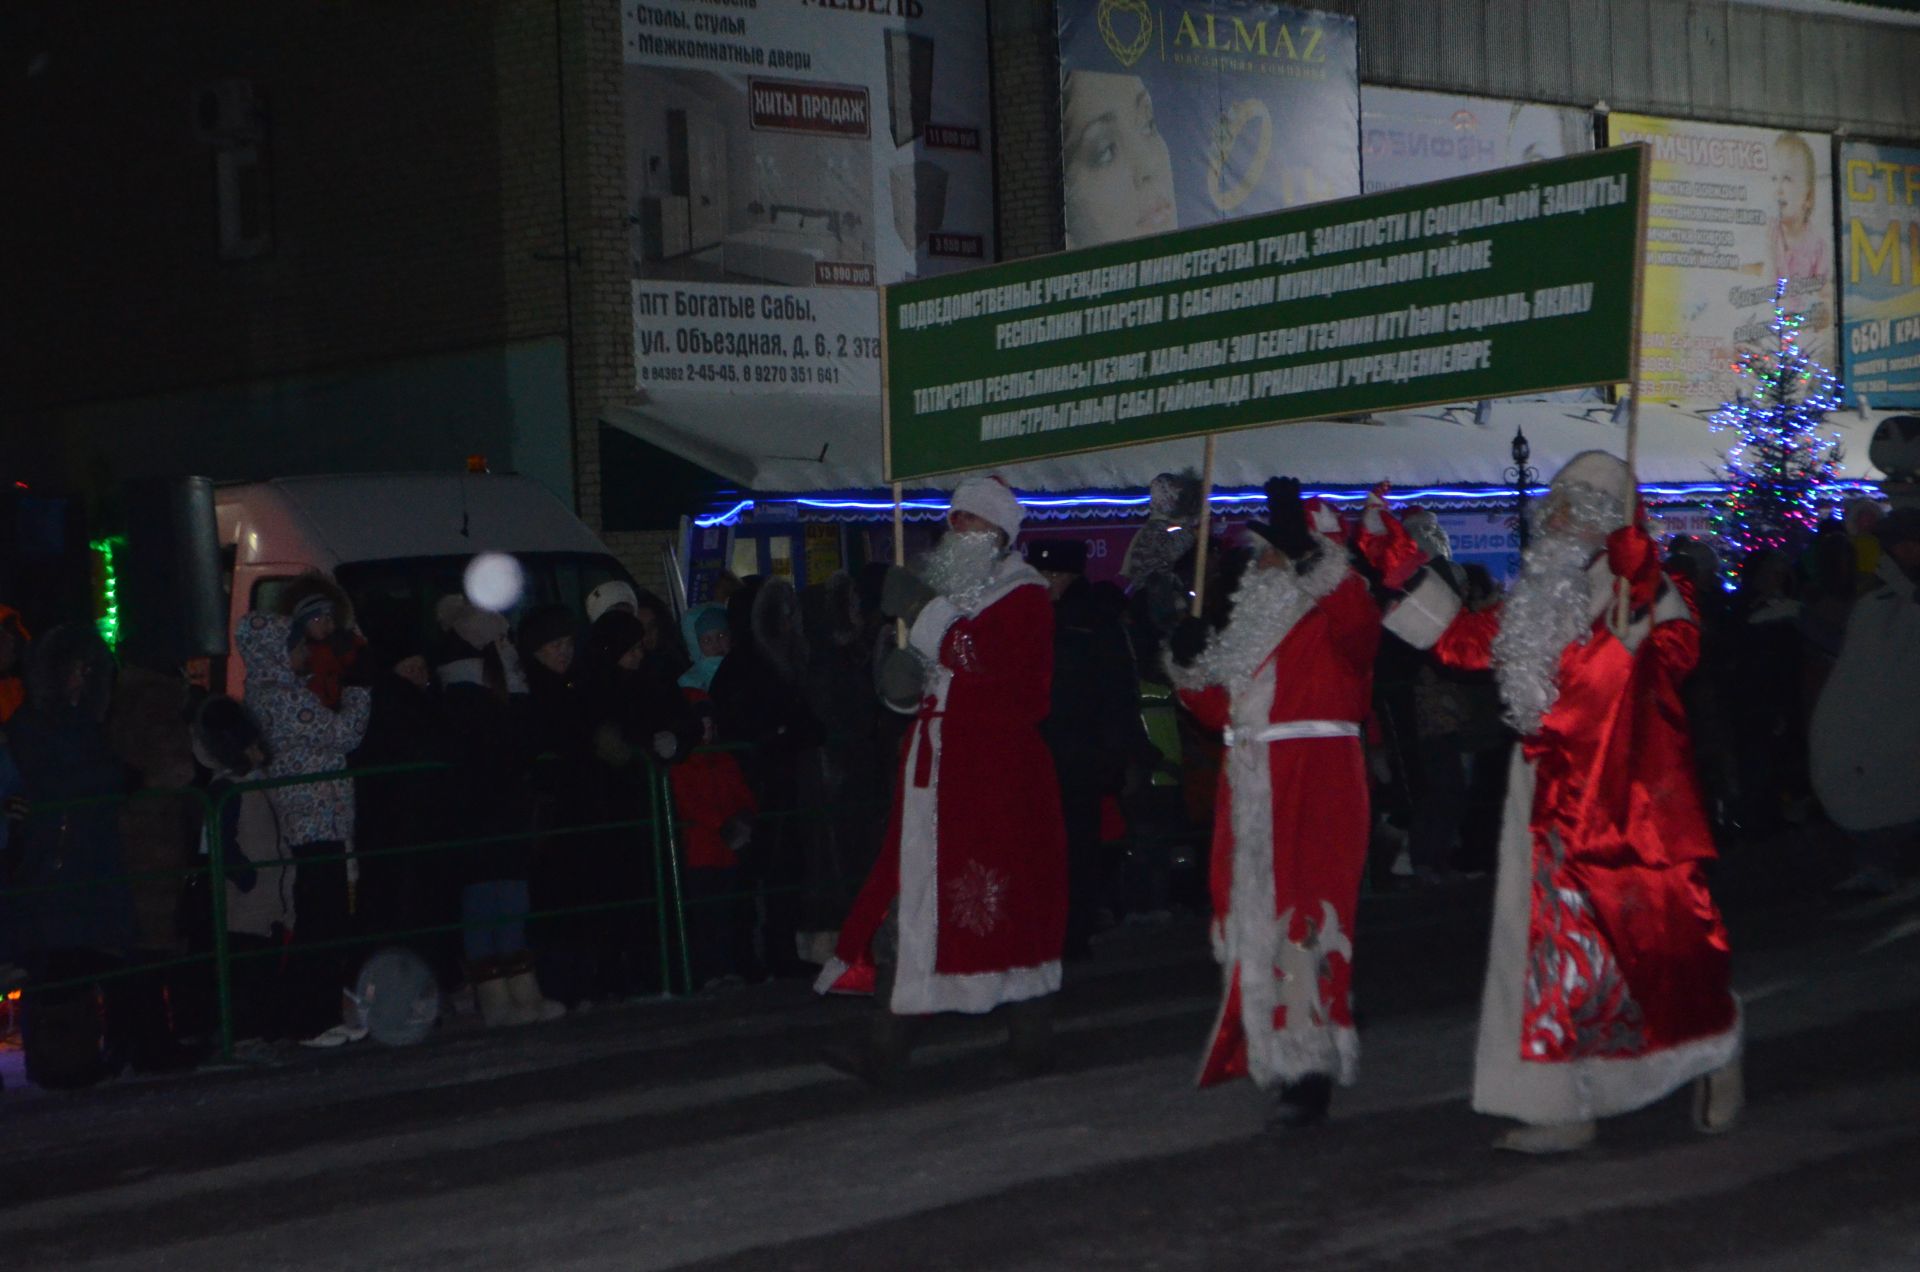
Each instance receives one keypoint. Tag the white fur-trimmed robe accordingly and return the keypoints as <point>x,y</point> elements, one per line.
<point>1291,820</point>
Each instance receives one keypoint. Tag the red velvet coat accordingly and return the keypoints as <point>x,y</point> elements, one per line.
<point>1291,820</point>
<point>976,849</point>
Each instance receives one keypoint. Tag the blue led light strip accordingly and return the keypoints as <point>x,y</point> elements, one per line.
<point>1682,490</point>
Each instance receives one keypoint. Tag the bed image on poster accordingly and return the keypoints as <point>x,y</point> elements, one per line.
<point>1731,211</point>
<point>1880,260</point>
<point>1180,113</point>
<point>784,159</point>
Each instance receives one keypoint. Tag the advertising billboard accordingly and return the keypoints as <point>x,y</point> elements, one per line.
<point>784,158</point>
<point>1732,210</point>
<point>1177,113</point>
<point>1880,260</point>
<point>1408,137</point>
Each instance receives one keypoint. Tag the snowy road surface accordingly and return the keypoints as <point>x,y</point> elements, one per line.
<point>669,1135</point>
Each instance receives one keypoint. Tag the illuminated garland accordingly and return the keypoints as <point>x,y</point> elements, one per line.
<point>109,621</point>
<point>1776,468</point>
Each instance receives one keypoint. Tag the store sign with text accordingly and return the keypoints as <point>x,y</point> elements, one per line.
<point>784,159</point>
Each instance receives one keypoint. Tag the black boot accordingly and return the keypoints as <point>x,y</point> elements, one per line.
<point>879,1057</point>
<point>1302,1103</point>
<point>1030,1052</point>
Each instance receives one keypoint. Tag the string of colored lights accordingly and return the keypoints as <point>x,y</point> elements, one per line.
<point>1778,467</point>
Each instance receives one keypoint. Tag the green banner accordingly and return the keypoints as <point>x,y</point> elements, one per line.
<point>1522,280</point>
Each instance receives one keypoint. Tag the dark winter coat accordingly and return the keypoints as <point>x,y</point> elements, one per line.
<point>149,729</point>
<point>1093,727</point>
<point>493,793</point>
<point>402,810</point>
<point>63,755</point>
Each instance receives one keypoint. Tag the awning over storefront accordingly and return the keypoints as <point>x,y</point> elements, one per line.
<point>796,444</point>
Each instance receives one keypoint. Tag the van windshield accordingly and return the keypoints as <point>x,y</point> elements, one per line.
<point>419,582</point>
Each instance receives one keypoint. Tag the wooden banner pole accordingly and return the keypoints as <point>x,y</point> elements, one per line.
<point>899,555</point>
<point>1623,599</point>
<point>1205,530</point>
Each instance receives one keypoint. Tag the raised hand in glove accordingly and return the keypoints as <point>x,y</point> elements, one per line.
<point>1287,518</point>
<point>904,594</point>
<point>1188,641</point>
<point>902,679</point>
<point>1633,556</point>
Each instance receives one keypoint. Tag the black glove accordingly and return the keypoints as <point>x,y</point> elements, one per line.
<point>904,594</point>
<point>1287,518</point>
<point>1188,641</point>
<point>902,679</point>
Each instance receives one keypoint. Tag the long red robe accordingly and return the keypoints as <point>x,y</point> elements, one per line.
<point>1608,981</point>
<point>1291,820</point>
<point>976,852</point>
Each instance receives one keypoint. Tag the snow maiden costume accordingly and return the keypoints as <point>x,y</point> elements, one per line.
<point>974,864</point>
<point>1288,681</point>
<point>1607,979</point>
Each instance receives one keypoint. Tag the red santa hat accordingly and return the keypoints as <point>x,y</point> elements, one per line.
<point>990,499</point>
<point>1322,518</point>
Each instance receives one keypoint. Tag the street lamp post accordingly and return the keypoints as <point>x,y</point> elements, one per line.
<point>1521,476</point>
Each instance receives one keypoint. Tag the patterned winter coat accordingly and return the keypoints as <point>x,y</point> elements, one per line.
<point>303,735</point>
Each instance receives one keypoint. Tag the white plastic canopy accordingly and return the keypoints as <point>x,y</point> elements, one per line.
<point>794,444</point>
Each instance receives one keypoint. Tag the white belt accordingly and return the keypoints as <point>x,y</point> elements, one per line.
<point>1288,730</point>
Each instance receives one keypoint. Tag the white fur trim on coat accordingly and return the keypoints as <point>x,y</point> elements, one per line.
<point>1423,615</point>
<point>1266,605</point>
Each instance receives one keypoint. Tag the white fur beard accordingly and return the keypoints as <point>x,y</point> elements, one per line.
<point>1547,610</point>
<point>962,562</point>
<point>1266,605</point>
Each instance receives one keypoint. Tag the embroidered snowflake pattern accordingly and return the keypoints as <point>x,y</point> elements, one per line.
<point>1305,971</point>
<point>976,901</point>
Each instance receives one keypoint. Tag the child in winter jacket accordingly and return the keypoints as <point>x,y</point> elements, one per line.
<point>714,807</point>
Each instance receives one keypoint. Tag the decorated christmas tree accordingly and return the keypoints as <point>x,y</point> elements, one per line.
<point>1782,460</point>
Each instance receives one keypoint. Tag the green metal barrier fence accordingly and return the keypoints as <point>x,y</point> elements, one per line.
<point>660,825</point>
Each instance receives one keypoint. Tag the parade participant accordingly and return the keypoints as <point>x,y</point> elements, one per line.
<point>1093,727</point>
<point>1607,980</point>
<point>974,866</point>
<point>1287,680</point>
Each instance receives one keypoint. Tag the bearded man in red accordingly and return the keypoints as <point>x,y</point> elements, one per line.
<point>974,868</point>
<point>1607,978</point>
<point>1288,681</point>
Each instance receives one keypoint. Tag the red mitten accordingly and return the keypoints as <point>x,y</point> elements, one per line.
<point>1385,543</point>
<point>1633,556</point>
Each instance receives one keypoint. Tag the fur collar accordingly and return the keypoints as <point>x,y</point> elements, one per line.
<point>1266,605</point>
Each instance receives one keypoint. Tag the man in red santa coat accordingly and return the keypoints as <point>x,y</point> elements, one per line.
<point>974,869</point>
<point>1288,681</point>
<point>1607,979</point>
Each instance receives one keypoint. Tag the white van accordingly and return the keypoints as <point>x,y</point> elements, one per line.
<point>404,536</point>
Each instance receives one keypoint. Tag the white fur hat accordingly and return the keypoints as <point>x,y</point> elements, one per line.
<point>992,500</point>
<point>609,594</point>
<point>1599,470</point>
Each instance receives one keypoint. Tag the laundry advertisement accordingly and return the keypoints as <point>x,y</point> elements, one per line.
<point>785,158</point>
<point>1880,257</point>
<point>1730,211</point>
<point>1408,137</point>
<point>1182,113</point>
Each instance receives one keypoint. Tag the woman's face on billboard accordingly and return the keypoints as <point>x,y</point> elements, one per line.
<point>1119,177</point>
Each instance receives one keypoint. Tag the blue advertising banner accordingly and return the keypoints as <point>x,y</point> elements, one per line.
<point>1880,289</point>
<point>1180,113</point>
